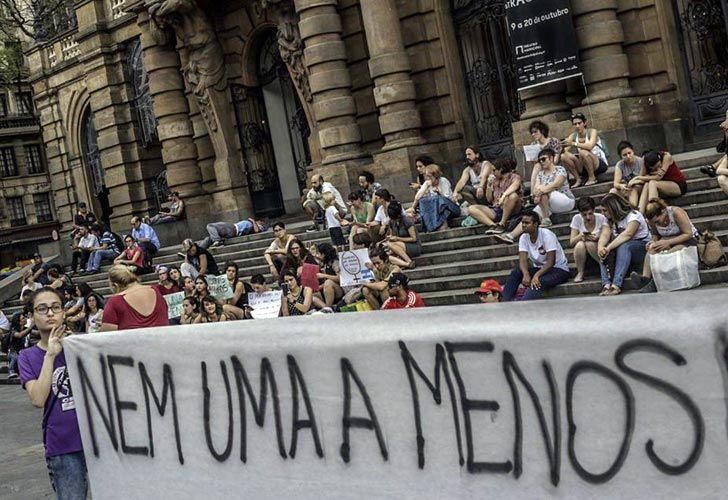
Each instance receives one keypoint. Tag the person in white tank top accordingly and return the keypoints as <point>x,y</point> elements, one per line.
<point>472,183</point>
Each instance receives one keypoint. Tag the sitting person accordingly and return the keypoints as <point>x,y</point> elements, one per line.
<point>627,233</point>
<point>719,169</point>
<point>257,282</point>
<point>629,167</point>
<point>188,286</point>
<point>237,306</point>
<point>147,238</point>
<point>585,153</point>
<point>86,244</point>
<point>166,285</point>
<point>551,193</point>
<point>218,232</point>
<point>403,243</point>
<point>173,213</point>
<point>420,163</point>
<point>542,264</point>
<point>503,194</point>
<point>471,184</point>
<point>490,292</point>
<point>275,254</point>
<point>132,255</point>
<point>378,226</point>
<point>671,230</point>
<point>361,240</point>
<point>93,312</point>
<point>434,201</point>
<point>586,227</point>
<point>202,289</point>
<point>190,311</point>
<point>368,185</point>
<point>108,249</point>
<point>660,177</point>
<point>376,292</point>
<point>313,201</point>
<point>296,300</point>
<point>540,135</point>
<point>29,282</point>
<point>198,260</point>
<point>400,294</point>
<point>330,291</point>
<point>211,311</point>
<point>361,211</point>
<point>296,257</point>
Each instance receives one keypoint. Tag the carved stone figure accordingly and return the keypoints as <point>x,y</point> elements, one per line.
<point>291,49</point>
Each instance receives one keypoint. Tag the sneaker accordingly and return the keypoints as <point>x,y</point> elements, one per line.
<point>649,287</point>
<point>181,254</point>
<point>12,376</point>
<point>495,229</point>
<point>312,228</point>
<point>546,222</point>
<point>218,243</point>
<point>504,237</point>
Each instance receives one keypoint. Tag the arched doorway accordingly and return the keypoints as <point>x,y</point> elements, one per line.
<point>99,201</point>
<point>273,133</point>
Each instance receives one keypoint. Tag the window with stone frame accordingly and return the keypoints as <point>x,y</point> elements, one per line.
<point>16,211</point>
<point>43,210</point>
<point>24,103</point>
<point>8,165</point>
<point>33,159</point>
<point>142,101</point>
<point>3,105</point>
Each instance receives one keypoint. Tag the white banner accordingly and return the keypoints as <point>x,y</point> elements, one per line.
<point>219,287</point>
<point>174,304</point>
<point>353,267</point>
<point>265,305</point>
<point>622,397</point>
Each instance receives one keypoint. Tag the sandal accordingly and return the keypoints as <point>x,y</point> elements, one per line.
<point>614,291</point>
<point>590,183</point>
<point>605,290</point>
<point>709,171</point>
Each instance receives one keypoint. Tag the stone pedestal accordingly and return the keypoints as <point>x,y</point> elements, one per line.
<point>544,100</point>
<point>330,81</point>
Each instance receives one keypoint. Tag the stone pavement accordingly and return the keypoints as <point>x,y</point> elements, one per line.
<point>23,473</point>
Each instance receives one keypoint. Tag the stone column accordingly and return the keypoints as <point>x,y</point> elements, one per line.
<point>173,122</point>
<point>330,81</point>
<point>389,67</point>
<point>600,37</point>
<point>545,100</point>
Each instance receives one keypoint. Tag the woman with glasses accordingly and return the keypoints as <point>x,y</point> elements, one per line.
<point>540,135</point>
<point>551,193</point>
<point>132,255</point>
<point>296,257</point>
<point>44,376</point>
<point>275,254</point>
<point>133,305</point>
<point>585,151</point>
<point>296,299</point>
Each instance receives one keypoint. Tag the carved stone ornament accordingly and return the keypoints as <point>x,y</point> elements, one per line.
<point>291,49</point>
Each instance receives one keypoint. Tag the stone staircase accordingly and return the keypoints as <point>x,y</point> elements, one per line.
<point>454,262</point>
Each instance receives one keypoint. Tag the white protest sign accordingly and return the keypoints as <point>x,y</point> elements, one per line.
<point>219,287</point>
<point>531,151</point>
<point>545,399</point>
<point>353,267</point>
<point>265,305</point>
<point>174,304</point>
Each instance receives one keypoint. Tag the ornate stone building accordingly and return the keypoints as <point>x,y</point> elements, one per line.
<point>234,103</point>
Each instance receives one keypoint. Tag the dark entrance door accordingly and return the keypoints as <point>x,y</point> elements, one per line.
<point>704,44</point>
<point>92,159</point>
<point>256,139</point>
<point>482,32</point>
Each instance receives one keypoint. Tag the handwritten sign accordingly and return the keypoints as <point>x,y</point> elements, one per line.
<point>354,270</point>
<point>265,305</point>
<point>521,400</point>
<point>219,287</point>
<point>531,151</point>
<point>174,304</point>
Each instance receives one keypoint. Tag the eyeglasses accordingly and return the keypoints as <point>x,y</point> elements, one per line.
<point>43,308</point>
<point>543,160</point>
<point>295,248</point>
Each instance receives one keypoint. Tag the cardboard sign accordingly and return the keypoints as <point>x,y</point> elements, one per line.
<point>174,304</point>
<point>309,276</point>
<point>219,287</point>
<point>353,266</point>
<point>623,397</point>
<point>265,305</point>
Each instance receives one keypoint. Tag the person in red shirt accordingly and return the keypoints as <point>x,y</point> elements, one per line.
<point>133,305</point>
<point>166,284</point>
<point>400,295</point>
<point>661,177</point>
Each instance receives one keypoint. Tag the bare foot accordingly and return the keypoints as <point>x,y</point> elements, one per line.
<point>590,182</point>
<point>579,278</point>
<point>577,184</point>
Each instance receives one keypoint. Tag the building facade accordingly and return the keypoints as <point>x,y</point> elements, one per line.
<point>27,213</point>
<point>234,104</point>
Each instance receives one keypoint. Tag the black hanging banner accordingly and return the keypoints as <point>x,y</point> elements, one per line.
<point>543,40</point>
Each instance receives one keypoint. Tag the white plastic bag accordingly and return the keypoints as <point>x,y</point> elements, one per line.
<point>676,270</point>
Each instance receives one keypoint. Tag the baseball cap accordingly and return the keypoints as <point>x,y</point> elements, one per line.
<point>397,279</point>
<point>489,286</point>
<point>162,269</point>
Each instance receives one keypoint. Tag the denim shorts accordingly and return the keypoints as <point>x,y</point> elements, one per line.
<point>68,475</point>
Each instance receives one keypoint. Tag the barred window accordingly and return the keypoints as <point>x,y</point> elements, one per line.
<point>3,105</point>
<point>24,102</point>
<point>43,211</point>
<point>33,159</point>
<point>16,211</point>
<point>8,166</point>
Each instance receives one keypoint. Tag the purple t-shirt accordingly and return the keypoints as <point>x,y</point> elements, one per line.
<point>59,414</point>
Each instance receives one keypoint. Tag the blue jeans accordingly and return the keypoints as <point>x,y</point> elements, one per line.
<point>626,254</point>
<point>68,475</point>
<point>12,362</point>
<point>553,277</point>
<point>97,256</point>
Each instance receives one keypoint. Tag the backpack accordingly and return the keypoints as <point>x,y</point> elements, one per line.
<point>710,251</point>
<point>600,142</point>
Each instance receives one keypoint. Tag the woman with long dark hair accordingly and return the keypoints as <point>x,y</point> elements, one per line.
<point>660,177</point>
<point>296,299</point>
<point>296,256</point>
<point>211,311</point>
<point>328,261</point>
<point>403,244</point>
